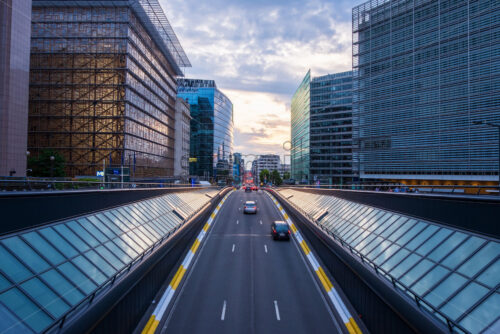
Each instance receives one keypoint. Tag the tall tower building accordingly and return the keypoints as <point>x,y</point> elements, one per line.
<point>15,31</point>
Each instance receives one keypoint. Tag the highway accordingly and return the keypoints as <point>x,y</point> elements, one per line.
<point>244,282</point>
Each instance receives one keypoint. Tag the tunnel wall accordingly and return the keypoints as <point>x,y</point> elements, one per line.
<point>25,210</point>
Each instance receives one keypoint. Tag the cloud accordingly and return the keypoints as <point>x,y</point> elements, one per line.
<point>258,51</point>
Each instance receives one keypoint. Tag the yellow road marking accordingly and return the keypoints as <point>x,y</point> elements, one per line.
<point>286,216</point>
<point>324,279</point>
<point>195,246</point>
<point>355,326</point>
<point>294,229</point>
<point>212,215</point>
<point>205,228</point>
<point>148,324</point>
<point>305,248</point>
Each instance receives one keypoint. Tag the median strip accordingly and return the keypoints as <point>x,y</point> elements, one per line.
<point>167,296</point>
<point>349,322</point>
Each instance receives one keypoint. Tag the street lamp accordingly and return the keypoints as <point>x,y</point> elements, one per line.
<point>498,127</point>
<point>52,158</point>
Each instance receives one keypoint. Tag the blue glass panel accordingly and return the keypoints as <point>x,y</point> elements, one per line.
<point>123,225</point>
<point>100,263</point>
<point>26,253</point>
<point>4,283</point>
<point>100,225</point>
<point>428,281</point>
<point>462,252</point>
<point>77,277</point>
<point>402,230</point>
<point>71,237</point>
<point>491,276</point>
<point>45,297</point>
<point>58,242</point>
<point>410,234</point>
<point>63,287</point>
<point>395,259</point>
<point>82,233</point>
<point>135,236</point>
<point>25,309</point>
<point>118,252</point>
<point>464,300</point>
<point>445,289</point>
<point>480,259</point>
<point>443,249</point>
<point>127,248</point>
<point>430,244</point>
<point>12,267</point>
<point>109,224</point>
<point>43,247</point>
<point>416,272</point>
<point>10,324</point>
<point>387,253</point>
<point>93,230</point>
<point>421,237</point>
<point>112,259</point>
<point>89,269</point>
<point>483,315</point>
<point>409,262</point>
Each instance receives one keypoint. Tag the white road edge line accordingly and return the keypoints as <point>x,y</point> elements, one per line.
<point>261,222</point>
<point>237,222</point>
<point>223,315</point>
<point>265,248</point>
<point>277,310</point>
<point>232,251</point>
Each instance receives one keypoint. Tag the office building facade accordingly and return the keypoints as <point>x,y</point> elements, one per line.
<point>424,71</point>
<point>103,85</point>
<point>238,168</point>
<point>300,126</point>
<point>15,20</point>
<point>322,130</point>
<point>270,162</point>
<point>212,127</point>
<point>182,139</point>
<point>331,129</point>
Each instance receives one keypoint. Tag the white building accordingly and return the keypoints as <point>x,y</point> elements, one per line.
<point>268,161</point>
<point>182,134</point>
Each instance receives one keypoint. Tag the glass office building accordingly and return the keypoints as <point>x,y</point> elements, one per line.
<point>424,71</point>
<point>103,85</point>
<point>211,128</point>
<point>300,111</point>
<point>331,129</point>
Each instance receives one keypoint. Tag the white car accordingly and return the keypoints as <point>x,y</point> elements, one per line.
<point>250,207</point>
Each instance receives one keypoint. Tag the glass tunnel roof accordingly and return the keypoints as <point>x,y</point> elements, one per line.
<point>456,272</point>
<point>47,270</point>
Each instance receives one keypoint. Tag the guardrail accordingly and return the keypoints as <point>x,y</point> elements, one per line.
<point>410,188</point>
<point>453,327</point>
<point>35,184</point>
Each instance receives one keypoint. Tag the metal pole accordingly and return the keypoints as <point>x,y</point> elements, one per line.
<point>499,160</point>
<point>122,176</point>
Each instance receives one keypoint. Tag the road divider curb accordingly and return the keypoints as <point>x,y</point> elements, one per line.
<point>161,307</point>
<point>340,307</point>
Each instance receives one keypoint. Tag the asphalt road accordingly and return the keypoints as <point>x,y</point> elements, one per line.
<point>244,282</point>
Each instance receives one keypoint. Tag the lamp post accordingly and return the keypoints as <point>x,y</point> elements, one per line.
<point>52,158</point>
<point>493,125</point>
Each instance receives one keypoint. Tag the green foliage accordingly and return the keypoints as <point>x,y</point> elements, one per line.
<point>286,175</point>
<point>264,176</point>
<point>276,178</point>
<point>42,166</point>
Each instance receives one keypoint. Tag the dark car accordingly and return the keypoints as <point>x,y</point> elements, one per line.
<point>248,189</point>
<point>280,230</point>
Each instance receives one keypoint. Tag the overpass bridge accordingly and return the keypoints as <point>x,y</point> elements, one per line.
<point>188,260</point>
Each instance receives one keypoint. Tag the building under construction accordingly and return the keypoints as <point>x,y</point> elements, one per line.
<point>103,85</point>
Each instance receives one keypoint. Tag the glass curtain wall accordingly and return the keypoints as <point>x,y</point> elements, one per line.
<point>331,128</point>
<point>300,111</point>
<point>424,71</point>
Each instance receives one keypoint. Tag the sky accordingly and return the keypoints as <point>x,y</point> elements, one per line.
<point>258,51</point>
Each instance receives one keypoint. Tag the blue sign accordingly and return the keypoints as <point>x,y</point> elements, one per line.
<point>116,171</point>
<point>100,173</point>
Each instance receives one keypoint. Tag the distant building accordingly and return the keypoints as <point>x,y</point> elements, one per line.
<point>211,128</point>
<point>300,121</point>
<point>423,73</point>
<point>15,29</point>
<point>270,162</point>
<point>322,130</point>
<point>182,139</point>
<point>238,168</point>
<point>103,85</point>
<point>284,168</point>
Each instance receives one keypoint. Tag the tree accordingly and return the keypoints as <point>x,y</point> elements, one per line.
<point>276,178</point>
<point>286,175</point>
<point>264,176</point>
<point>42,166</point>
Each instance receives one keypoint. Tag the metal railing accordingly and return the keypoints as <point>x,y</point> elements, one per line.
<point>410,188</point>
<point>453,327</point>
<point>37,184</point>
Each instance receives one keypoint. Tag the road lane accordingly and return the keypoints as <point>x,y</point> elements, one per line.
<point>244,282</point>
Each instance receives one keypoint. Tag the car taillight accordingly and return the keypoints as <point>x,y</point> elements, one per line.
<point>288,231</point>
